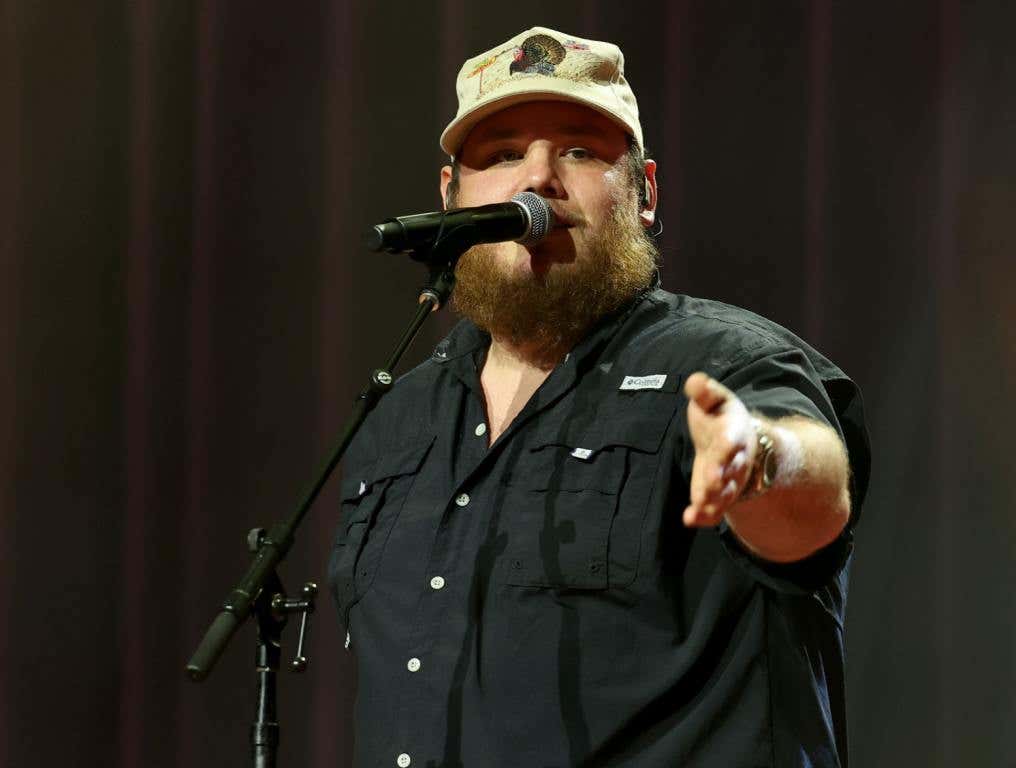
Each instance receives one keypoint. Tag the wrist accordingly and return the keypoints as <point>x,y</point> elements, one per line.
<point>778,458</point>
<point>763,467</point>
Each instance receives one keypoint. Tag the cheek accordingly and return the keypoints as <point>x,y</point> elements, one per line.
<point>612,177</point>
<point>598,192</point>
<point>480,189</point>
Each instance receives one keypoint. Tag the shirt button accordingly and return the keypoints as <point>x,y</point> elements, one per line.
<point>413,665</point>
<point>462,499</point>
<point>436,583</point>
<point>402,760</point>
<point>481,429</point>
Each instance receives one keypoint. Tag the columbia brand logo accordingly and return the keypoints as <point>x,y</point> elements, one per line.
<point>644,382</point>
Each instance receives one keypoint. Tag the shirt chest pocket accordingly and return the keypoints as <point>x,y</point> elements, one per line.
<point>575,503</point>
<point>370,505</point>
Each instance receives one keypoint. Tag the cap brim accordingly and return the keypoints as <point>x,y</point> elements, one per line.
<point>455,134</point>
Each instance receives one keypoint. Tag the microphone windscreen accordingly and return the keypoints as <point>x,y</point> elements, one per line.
<point>541,217</point>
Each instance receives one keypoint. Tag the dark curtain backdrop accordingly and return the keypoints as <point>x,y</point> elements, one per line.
<point>186,313</point>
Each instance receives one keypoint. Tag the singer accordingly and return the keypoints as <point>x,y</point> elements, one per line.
<point>602,524</point>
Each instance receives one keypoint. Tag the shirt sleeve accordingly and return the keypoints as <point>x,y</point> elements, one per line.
<point>779,382</point>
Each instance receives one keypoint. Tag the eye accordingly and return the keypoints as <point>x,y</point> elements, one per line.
<point>579,153</point>
<point>504,156</point>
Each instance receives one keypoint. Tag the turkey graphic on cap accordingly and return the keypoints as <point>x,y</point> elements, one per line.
<point>537,55</point>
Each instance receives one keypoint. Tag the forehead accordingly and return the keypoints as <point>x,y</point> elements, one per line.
<point>561,120</point>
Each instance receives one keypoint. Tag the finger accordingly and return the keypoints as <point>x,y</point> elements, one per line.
<point>710,493</point>
<point>690,516</point>
<point>715,487</point>
<point>734,468</point>
<point>706,392</point>
<point>728,437</point>
<point>694,516</point>
<point>720,491</point>
<point>712,477</point>
<point>703,516</point>
<point>728,453</point>
<point>699,482</point>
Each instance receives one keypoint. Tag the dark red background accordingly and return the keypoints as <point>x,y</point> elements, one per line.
<point>186,313</point>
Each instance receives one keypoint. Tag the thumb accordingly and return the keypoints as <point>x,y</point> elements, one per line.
<point>706,392</point>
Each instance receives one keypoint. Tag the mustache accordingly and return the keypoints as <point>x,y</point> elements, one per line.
<point>565,218</point>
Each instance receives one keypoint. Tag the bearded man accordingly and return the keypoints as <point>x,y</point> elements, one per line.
<point>603,524</point>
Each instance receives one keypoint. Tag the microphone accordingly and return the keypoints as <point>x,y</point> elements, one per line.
<point>526,219</point>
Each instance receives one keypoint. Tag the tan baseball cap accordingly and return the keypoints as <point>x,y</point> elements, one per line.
<point>542,64</point>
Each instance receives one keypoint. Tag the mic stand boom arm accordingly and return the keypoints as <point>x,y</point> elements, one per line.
<point>272,547</point>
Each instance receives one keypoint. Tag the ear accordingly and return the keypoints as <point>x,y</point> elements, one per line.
<point>648,213</point>
<point>446,177</point>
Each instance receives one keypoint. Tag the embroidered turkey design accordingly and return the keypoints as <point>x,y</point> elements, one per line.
<point>538,54</point>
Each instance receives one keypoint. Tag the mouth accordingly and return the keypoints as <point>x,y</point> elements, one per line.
<point>558,245</point>
<point>563,219</point>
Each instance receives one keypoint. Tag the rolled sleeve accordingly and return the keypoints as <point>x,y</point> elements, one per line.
<point>781,382</point>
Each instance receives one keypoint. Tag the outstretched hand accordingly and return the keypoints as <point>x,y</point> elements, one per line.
<point>725,444</point>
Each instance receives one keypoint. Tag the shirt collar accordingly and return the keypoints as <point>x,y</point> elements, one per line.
<point>606,328</point>
<point>465,338</point>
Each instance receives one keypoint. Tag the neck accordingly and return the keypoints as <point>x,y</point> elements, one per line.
<point>505,355</point>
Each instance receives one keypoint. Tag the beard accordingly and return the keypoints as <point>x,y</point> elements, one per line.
<point>544,313</point>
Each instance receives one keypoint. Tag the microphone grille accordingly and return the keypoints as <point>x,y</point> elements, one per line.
<point>541,218</point>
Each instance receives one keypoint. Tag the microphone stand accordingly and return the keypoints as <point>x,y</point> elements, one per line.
<point>260,591</point>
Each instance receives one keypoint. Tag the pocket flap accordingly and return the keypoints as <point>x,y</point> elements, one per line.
<point>640,429</point>
<point>556,467</point>
<point>400,460</point>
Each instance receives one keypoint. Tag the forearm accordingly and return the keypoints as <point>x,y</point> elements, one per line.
<point>808,503</point>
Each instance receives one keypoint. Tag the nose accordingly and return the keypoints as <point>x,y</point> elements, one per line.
<point>540,172</point>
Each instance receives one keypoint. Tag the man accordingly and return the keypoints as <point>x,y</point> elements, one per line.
<point>602,524</point>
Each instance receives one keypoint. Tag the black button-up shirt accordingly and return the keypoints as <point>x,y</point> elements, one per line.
<point>539,603</point>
